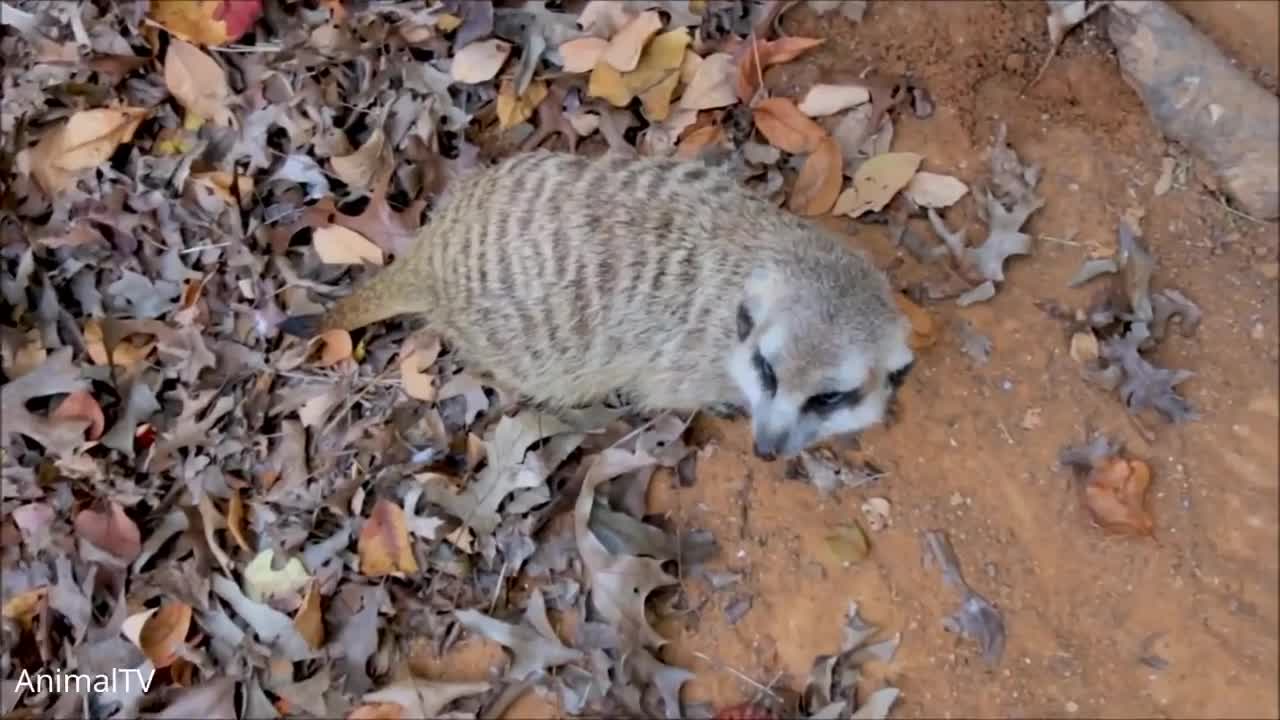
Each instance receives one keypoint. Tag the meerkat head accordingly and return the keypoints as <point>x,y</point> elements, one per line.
<point>821,351</point>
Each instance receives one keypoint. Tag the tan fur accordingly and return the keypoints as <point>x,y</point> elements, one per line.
<point>566,278</point>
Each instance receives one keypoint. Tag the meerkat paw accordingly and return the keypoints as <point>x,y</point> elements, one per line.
<point>726,411</point>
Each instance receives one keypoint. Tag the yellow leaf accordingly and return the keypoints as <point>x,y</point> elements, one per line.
<point>876,182</point>
<point>85,141</point>
<point>448,22</point>
<point>479,61</point>
<point>582,54</point>
<point>362,166</point>
<point>607,83</point>
<point>23,607</point>
<point>310,618</point>
<point>384,546</point>
<point>164,632</point>
<point>512,110</point>
<point>785,127</point>
<point>624,49</point>
<point>338,245</point>
<point>125,354</point>
<point>819,181</point>
<point>262,583</point>
<point>198,82</point>
<point>206,22</point>
<point>657,100</point>
<point>661,60</point>
<point>462,538</point>
<point>689,66</point>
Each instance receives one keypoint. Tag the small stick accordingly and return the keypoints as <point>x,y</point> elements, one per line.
<point>741,676</point>
<point>1233,211</point>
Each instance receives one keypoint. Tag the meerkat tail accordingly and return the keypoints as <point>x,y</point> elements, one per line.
<point>385,295</point>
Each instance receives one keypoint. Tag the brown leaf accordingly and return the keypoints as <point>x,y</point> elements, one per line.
<point>112,532</point>
<point>818,184</point>
<point>695,142</point>
<point>338,245</point>
<point>1115,495</point>
<point>384,546</point>
<point>80,405</point>
<point>417,383</point>
<point>85,141</point>
<point>165,632</point>
<point>623,52</point>
<point>198,82</point>
<point>786,128</point>
<point>363,166</point>
<point>310,619</point>
<point>331,347</point>
<point>769,53</point>
<point>127,353</point>
<point>235,520</point>
<point>924,331</point>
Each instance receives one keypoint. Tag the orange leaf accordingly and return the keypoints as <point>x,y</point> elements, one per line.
<point>384,545</point>
<point>331,347</point>
<point>818,184</point>
<point>206,22</point>
<point>310,620</point>
<point>1115,496</point>
<point>235,520</point>
<point>165,632</point>
<point>378,711</point>
<point>695,142</point>
<point>786,128</point>
<point>112,532</point>
<point>80,405</point>
<point>923,329</point>
<point>770,53</point>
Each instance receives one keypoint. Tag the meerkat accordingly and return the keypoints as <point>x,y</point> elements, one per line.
<point>566,279</point>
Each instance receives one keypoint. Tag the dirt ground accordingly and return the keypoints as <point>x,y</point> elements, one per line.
<point>1081,608</point>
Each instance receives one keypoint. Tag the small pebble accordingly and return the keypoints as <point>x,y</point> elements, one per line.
<point>1072,707</point>
<point>1259,332</point>
<point>1270,270</point>
<point>956,499</point>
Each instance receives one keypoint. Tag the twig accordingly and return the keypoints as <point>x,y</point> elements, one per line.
<point>497,587</point>
<point>741,676</point>
<point>1063,241</point>
<point>1214,197</point>
<point>202,248</point>
<point>1053,51</point>
<point>248,49</point>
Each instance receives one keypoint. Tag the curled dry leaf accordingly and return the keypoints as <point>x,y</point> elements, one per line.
<point>80,405</point>
<point>112,532</point>
<point>823,100</point>
<point>338,245</point>
<point>1115,495</point>
<point>198,82</point>
<point>582,54</point>
<point>206,22</point>
<point>788,129</point>
<point>818,184</point>
<point>623,51</point>
<point>932,190</point>
<point>876,182</point>
<point>480,61</point>
<point>384,546</point>
<point>310,618</point>
<point>85,141</point>
<point>712,85</point>
<point>361,167</point>
<point>165,632</point>
<point>699,140</point>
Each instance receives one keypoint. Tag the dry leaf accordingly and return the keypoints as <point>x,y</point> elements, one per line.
<point>111,531</point>
<point>819,181</point>
<point>769,53</point>
<point>23,607</point>
<point>219,183</point>
<point>480,61</point>
<point>331,347</point>
<point>823,100</point>
<point>85,141</point>
<point>848,544</point>
<point>338,245</point>
<point>657,100</point>
<point>361,167</point>
<point>695,142</point>
<point>198,82</point>
<point>712,85</point>
<point>924,330</point>
<point>310,620</point>
<point>262,583</point>
<point>235,520</point>
<point>624,49</point>
<point>206,22</point>
<point>607,83</point>
<point>80,405</point>
<point>876,182</point>
<point>165,632</point>
<point>786,128</point>
<point>417,383</point>
<point>932,190</point>
<point>582,54</point>
<point>1115,495</point>
<point>416,698</point>
<point>384,546</point>
<point>1084,347</point>
<point>514,110</point>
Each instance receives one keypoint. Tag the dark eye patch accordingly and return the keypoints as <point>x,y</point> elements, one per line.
<point>899,376</point>
<point>767,378</point>
<point>831,401</point>
<point>745,323</point>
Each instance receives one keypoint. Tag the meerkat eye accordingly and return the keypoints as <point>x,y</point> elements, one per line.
<point>767,378</point>
<point>899,376</point>
<point>745,323</point>
<point>831,400</point>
